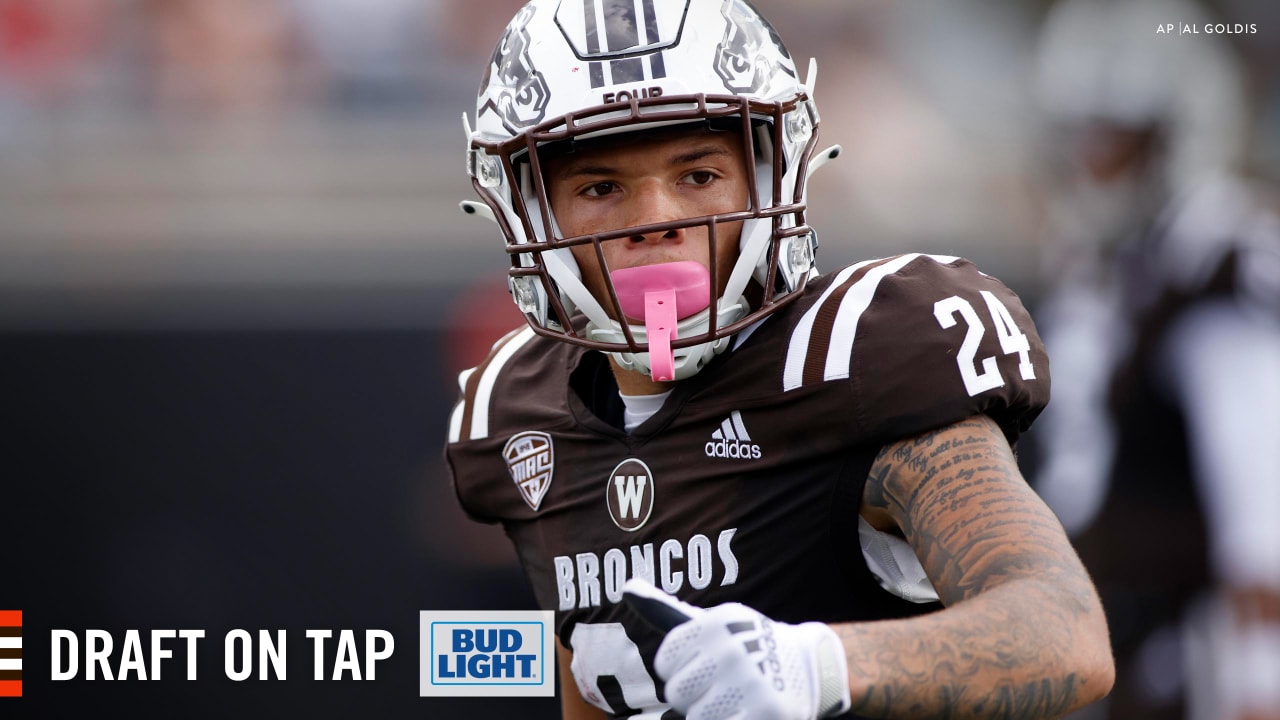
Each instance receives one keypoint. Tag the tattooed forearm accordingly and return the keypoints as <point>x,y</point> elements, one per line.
<point>962,504</point>
<point>1022,635</point>
<point>973,665</point>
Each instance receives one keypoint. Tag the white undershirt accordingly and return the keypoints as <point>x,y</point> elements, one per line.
<point>640,408</point>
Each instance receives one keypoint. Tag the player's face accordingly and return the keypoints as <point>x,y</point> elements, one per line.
<point>671,176</point>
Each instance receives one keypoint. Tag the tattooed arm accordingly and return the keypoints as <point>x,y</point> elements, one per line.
<point>1022,635</point>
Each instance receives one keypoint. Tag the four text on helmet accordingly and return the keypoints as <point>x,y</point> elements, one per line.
<point>627,95</point>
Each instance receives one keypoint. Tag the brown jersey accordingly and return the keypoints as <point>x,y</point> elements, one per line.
<point>745,486</point>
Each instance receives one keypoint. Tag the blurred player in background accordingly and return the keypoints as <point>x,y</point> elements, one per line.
<point>1160,451</point>
<point>818,467</point>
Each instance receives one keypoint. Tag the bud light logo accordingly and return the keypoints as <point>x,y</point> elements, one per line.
<point>487,654</point>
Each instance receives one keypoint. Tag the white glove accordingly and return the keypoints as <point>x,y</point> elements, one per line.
<point>730,661</point>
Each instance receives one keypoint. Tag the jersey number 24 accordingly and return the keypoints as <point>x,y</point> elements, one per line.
<point>1012,340</point>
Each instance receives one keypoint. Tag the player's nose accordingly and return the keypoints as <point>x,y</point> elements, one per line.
<point>654,204</point>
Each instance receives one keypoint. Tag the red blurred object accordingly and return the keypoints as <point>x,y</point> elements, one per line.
<point>479,318</point>
<point>45,43</point>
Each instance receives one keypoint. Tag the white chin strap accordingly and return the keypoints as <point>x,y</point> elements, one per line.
<point>689,360</point>
<point>732,306</point>
<point>563,268</point>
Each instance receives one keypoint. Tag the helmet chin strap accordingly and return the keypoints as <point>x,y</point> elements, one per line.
<point>661,294</point>
<point>686,361</point>
<point>680,363</point>
<point>661,363</point>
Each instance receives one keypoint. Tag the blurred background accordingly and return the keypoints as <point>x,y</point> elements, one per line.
<point>235,291</point>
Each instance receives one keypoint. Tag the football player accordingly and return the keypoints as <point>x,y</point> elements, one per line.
<point>1163,315</point>
<point>819,467</point>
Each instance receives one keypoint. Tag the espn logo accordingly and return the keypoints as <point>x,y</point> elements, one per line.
<point>10,653</point>
<point>486,654</point>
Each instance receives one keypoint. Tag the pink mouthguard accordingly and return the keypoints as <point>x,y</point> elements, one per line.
<point>662,294</point>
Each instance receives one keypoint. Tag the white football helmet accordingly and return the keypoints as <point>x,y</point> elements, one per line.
<point>580,69</point>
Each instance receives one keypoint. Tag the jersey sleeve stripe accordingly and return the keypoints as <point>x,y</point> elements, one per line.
<point>803,336</point>
<point>468,382</point>
<point>488,377</point>
<point>455,417</point>
<point>824,323</point>
<point>854,303</point>
<point>455,421</point>
<point>468,400</point>
<point>798,348</point>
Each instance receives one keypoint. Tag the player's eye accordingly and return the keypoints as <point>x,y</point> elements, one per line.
<point>700,177</point>
<point>599,189</point>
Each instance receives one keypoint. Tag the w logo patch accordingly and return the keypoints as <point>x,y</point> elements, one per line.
<point>531,462</point>
<point>629,494</point>
<point>10,653</point>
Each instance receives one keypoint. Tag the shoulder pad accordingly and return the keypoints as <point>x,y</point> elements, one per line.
<point>921,341</point>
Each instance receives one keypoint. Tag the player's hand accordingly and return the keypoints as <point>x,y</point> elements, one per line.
<point>730,661</point>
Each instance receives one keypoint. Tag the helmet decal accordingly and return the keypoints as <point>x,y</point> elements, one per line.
<point>621,30</point>
<point>517,91</point>
<point>750,54</point>
<point>618,32</point>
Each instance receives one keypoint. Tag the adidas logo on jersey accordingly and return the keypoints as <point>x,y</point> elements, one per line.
<point>731,440</point>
